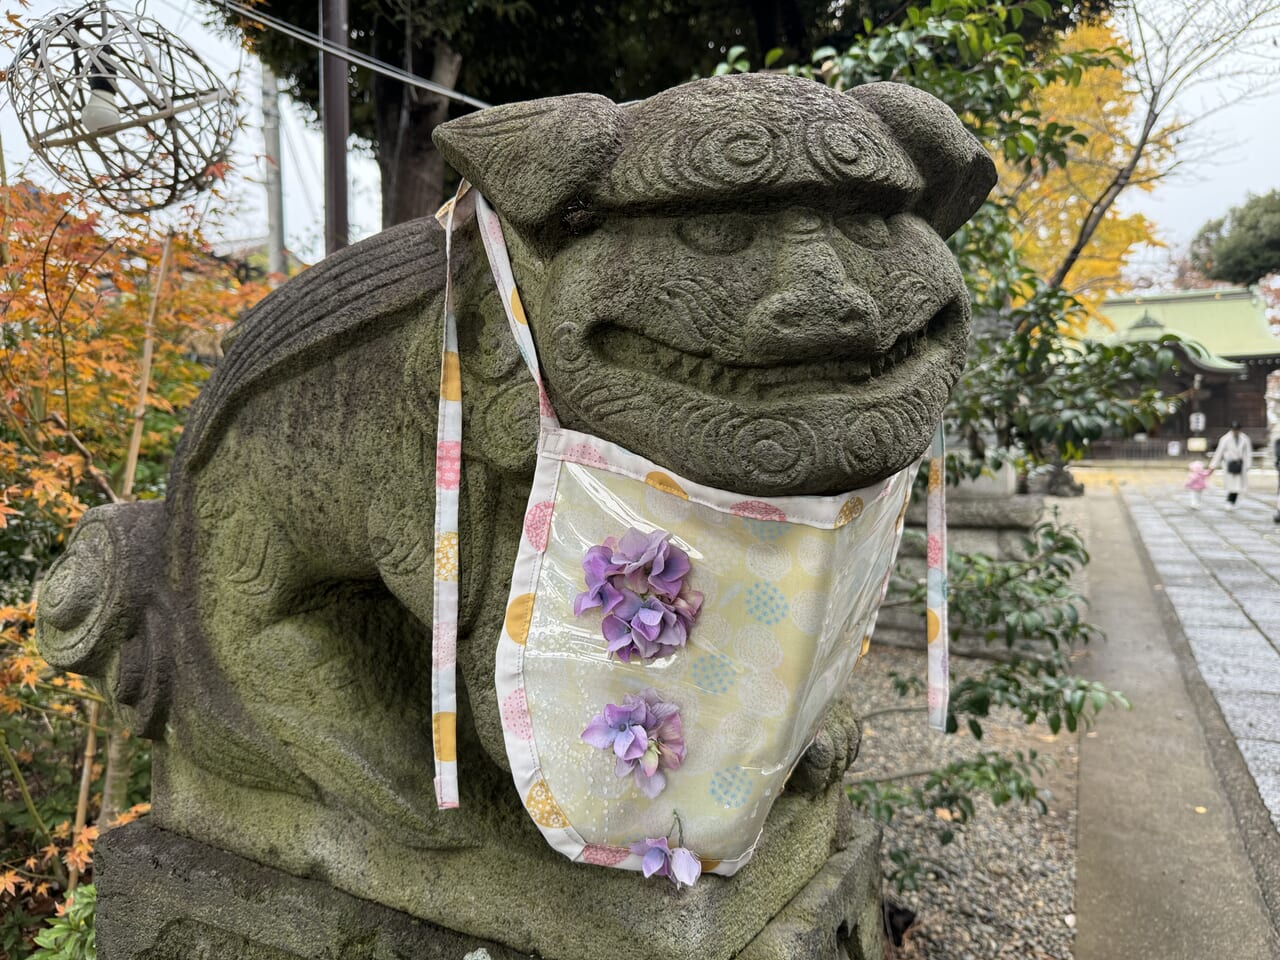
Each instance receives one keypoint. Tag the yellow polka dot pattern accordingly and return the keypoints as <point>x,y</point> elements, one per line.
<point>850,510</point>
<point>519,616</point>
<point>935,475</point>
<point>660,481</point>
<point>447,557</point>
<point>517,308</point>
<point>543,808</point>
<point>444,599</point>
<point>938,686</point>
<point>451,377</point>
<point>444,736</point>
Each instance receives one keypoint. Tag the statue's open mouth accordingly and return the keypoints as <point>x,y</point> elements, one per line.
<point>622,347</point>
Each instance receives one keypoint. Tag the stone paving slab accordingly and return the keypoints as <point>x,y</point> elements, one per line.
<point>1236,673</point>
<point>1252,714</point>
<point>1221,572</point>
<point>1216,619</point>
<point>1263,756</point>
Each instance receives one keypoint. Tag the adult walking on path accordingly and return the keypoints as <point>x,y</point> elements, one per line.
<point>1233,453</point>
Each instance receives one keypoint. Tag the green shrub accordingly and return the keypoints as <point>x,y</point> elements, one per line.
<point>70,936</point>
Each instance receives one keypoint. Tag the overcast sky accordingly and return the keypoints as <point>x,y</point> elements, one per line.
<point>1239,147</point>
<point>1242,143</point>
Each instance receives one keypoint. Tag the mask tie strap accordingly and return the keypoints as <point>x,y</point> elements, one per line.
<point>939,672</point>
<point>444,613</point>
<point>495,248</point>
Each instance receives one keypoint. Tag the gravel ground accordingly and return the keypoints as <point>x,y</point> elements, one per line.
<point>1005,886</point>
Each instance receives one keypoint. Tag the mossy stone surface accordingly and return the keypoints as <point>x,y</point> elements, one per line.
<point>164,896</point>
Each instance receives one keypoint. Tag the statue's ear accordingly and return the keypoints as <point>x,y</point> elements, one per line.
<point>536,161</point>
<point>958,174</point>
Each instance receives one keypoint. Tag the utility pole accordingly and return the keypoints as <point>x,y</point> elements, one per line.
<point>334,105</point>
<point>275,192</point>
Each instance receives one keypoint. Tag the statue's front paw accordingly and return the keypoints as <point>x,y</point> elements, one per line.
<point>832,752</point>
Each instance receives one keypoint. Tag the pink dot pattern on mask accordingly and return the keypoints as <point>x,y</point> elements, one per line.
<point>604,856</point>
<point>448,464</point>
<point>494,229</point>
<point>515,715</point>
<point>586,455</point>
<point>757,510</point>
<point>444,645</point>
<point>537,525</point>
<point>934,552</point>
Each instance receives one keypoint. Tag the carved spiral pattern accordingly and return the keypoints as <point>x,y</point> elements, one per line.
<point>77,593</point>
<point>778,449</point>
<point>741,153</point>
<point>841,151</point>
<point>569,348</point>
<point>510,419</point>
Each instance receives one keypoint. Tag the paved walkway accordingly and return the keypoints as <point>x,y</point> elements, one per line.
<point>1171,862</point>
<point>1221,572</point>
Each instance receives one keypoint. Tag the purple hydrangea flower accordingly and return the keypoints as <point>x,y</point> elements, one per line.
<point>680,864</point>
<point>646,736</point>
<point>620,729</point>
<point>638,582</point>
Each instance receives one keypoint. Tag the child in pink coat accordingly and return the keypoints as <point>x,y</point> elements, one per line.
<point>1197,477</point>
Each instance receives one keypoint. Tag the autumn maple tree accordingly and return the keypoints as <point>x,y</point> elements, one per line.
<point>75,294</point>
<point>1051,203</point>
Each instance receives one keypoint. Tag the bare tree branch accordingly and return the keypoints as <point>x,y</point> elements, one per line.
<point>1181,46</point>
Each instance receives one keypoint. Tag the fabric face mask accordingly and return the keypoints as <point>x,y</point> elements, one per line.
<point>669,649</point>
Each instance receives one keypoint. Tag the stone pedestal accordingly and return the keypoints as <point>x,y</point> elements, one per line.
<point>994,525</point>
<point>163,896</point>
<point>978,521</point>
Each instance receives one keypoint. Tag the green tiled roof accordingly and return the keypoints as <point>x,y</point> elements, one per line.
<point>1229,322</point>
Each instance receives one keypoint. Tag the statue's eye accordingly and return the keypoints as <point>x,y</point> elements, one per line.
<point>717,235</point>
<point>864,229</point>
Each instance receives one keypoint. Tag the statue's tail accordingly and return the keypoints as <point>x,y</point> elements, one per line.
<point>103,610</point>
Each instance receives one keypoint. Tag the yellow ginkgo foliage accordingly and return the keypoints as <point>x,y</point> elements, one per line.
<point>1053,206</point>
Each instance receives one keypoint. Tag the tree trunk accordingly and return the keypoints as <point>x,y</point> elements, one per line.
<point>115,782</point>
<point>412,170</point>
<point>1100,206</point>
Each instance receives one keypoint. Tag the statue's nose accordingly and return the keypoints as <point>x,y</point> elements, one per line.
<point>812,310</point>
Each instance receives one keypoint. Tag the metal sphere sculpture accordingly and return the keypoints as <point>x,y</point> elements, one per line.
<point>119,108</point>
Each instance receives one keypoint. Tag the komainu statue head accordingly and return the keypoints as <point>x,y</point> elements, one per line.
<point>744,278</point>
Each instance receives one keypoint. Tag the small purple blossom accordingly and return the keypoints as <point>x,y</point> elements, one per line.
<point>646,736</point>
<point>638,583</point>
<point>620,729</point>
<point>680,864</point>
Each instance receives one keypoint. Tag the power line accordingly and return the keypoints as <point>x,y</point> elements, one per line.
<point>347,54</point>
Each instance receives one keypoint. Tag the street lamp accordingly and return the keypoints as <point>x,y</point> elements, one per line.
<point>119,109</point>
